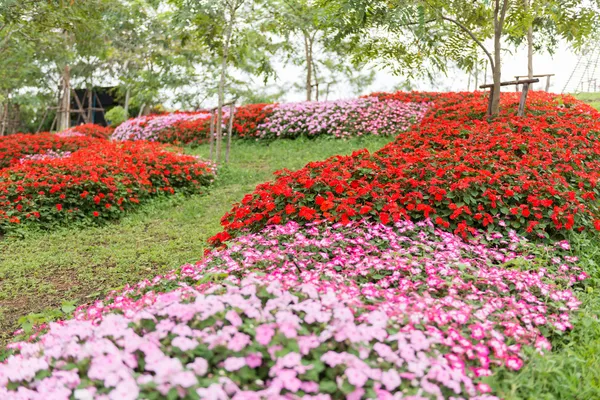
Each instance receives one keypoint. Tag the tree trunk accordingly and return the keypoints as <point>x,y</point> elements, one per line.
<point>64,118</point>
<point>529,45</point>
<point>496,75</point>
<point>221,93</point>
<point>4,120</point>
<point>127,99</point>
<point>309,64</point>
<point>499,15</point>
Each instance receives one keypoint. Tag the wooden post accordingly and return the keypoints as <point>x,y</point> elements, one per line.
<point>548,83</point>
<point>489,109</point>
<point>229,129</point>
<point>521,111</point>
<point>90,105</point>
<point>211,134</point>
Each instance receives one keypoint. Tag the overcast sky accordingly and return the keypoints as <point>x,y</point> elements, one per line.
<point>561,64</point>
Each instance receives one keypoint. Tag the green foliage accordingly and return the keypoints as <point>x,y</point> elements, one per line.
<point>572,369</point>
<point>422,37</point>
<point>116,116</point>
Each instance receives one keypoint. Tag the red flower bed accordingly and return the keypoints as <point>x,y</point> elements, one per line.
<point>247,119</point>
<point>15,147</point>
<point>538,174</point>
<point>98,182</point>
<point>93,130</point>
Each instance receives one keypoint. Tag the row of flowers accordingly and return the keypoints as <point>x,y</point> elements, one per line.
<point>99,180</point>
<point>339,118</point>
<point>537,174</point>
<point>317,312</point>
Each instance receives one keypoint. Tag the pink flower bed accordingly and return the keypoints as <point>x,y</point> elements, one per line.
<point>149,127</point>
<point>358,311</point>
<point>341,118</point>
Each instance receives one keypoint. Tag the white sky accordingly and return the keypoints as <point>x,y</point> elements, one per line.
<point>561,64</point>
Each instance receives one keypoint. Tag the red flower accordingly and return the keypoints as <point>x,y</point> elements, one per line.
<point>307,213</point>
<point>59,207</point>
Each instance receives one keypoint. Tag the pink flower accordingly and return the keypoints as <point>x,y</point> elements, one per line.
<point>233,318</point>
<point>356,377</point>
<point>264,334</point>
<point>390,379</point>
<point>234,363</point>
<point>254,360</point>
<point>199,366</point>
<point>514,363</point>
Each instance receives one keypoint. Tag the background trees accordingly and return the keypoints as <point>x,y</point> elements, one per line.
<point>418,37</point>
<point>209,51</point>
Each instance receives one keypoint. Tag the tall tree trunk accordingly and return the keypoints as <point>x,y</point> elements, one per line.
<point>64,118</point>
<point>4,120</point>
<point>529,45</point>
<point>499,16</point>
<point>309,65</point>
<point>221,93</point>
<point>127,99</point>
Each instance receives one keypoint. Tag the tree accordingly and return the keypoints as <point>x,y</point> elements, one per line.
<point>316,50</point>
<point>42,39</point>
<point>423,34</point>
<point>146,55</point>
<point>231,33</point>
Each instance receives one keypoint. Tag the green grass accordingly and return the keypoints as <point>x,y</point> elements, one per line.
<point>43,270</point>
<point>572,369</point>
<point>593,99</point>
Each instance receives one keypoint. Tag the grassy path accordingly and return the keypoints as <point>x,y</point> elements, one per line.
<point>46,271</point>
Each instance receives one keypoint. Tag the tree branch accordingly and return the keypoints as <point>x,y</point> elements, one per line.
<point>466,30</point>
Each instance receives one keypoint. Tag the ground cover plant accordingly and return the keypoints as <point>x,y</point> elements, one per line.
<point>91,130</point>
<point>259,319</point>
<point>339,118</point>
<point>14,147</point>
<point>98,182</point>
<point>149,127</point>
<point>537,174</point>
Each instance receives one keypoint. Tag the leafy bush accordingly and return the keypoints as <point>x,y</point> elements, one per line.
<point>98,182</point>
<point>116,116</point>
<point>537,174</point>
<point>403,310</point>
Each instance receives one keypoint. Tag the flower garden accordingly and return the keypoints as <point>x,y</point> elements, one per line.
<point>419,271</point>
<point>48,180</point>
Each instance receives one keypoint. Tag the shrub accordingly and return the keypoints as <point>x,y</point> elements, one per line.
<point>537,174</point>
<point>98,182</point>
<point>15,147</point>
<point>116,116</point>
<point>322,312</point>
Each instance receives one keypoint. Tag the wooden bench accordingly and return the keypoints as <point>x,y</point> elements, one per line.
<point>524,82</point>
<point>547,76</point>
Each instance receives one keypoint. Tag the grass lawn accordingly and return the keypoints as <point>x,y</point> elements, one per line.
<point>593,99</point>
<point>43,272</point>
